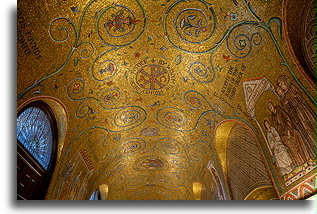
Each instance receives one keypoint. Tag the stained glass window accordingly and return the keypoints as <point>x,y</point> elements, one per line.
<point>34,131</point>
<point>95,195</point>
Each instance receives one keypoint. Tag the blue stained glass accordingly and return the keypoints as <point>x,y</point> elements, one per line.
<point>94,196</point>
<point>35,133</point>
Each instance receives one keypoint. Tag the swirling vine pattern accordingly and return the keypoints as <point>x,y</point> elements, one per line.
<point>242,44</point>
<point>168,145</point>
<point>74,88</point>
<point>60,28</point>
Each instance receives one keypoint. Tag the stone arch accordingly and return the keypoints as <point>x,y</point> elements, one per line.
<point>61,116</point>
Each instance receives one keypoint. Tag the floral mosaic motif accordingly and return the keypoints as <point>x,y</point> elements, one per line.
<point>168,145</point>
<point>75,87</point>
<point>150,131</point>
<point>103,70</point>
<point>119,26</point>
<point>191,24</point>
<point>129,116</point>
<point>109,67</point>
<point>110,96</point>
<point>201,73</point>
<point>132,146</point>
<point>120,22</point>
<point>172,117</point>
<point>240,44</point>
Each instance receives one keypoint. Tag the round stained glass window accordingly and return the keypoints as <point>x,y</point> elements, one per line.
<point>34,131</point>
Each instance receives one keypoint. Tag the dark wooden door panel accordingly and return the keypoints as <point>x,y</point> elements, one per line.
<point>30,177</point>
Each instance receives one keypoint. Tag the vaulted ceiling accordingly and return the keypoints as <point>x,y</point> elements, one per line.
<point>148,93</point>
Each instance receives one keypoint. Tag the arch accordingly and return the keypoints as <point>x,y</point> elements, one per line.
<point>36,150</point>
<point>246,166</point>
<point>262,193</point>
<point>104,191</point>
<point>61,115</point>
<point>57,113</point>
<point>221,133</point>
<point>228,135</point>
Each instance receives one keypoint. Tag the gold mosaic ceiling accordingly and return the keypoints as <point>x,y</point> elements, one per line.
<point>146,84</point>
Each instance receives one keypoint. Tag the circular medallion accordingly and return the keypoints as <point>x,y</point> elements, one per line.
<point>119,26</point>
<point>152,77</point>
<point>190,25</point>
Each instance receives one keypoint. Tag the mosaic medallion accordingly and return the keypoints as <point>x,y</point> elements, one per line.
<point>119,26</point>
<point>189,24</point>
<point>152,76</point>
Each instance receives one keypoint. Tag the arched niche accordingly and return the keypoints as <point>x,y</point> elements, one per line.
<point>246,167</point>
<point>202,191</point>
<point>197,190</point>
<point>241,159</point>
<point>61,115</point>
<point>222,132</point>
<point>58,113</point>
<point>36,150</point>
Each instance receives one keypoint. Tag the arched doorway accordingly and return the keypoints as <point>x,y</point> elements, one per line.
<point>36,150</point>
